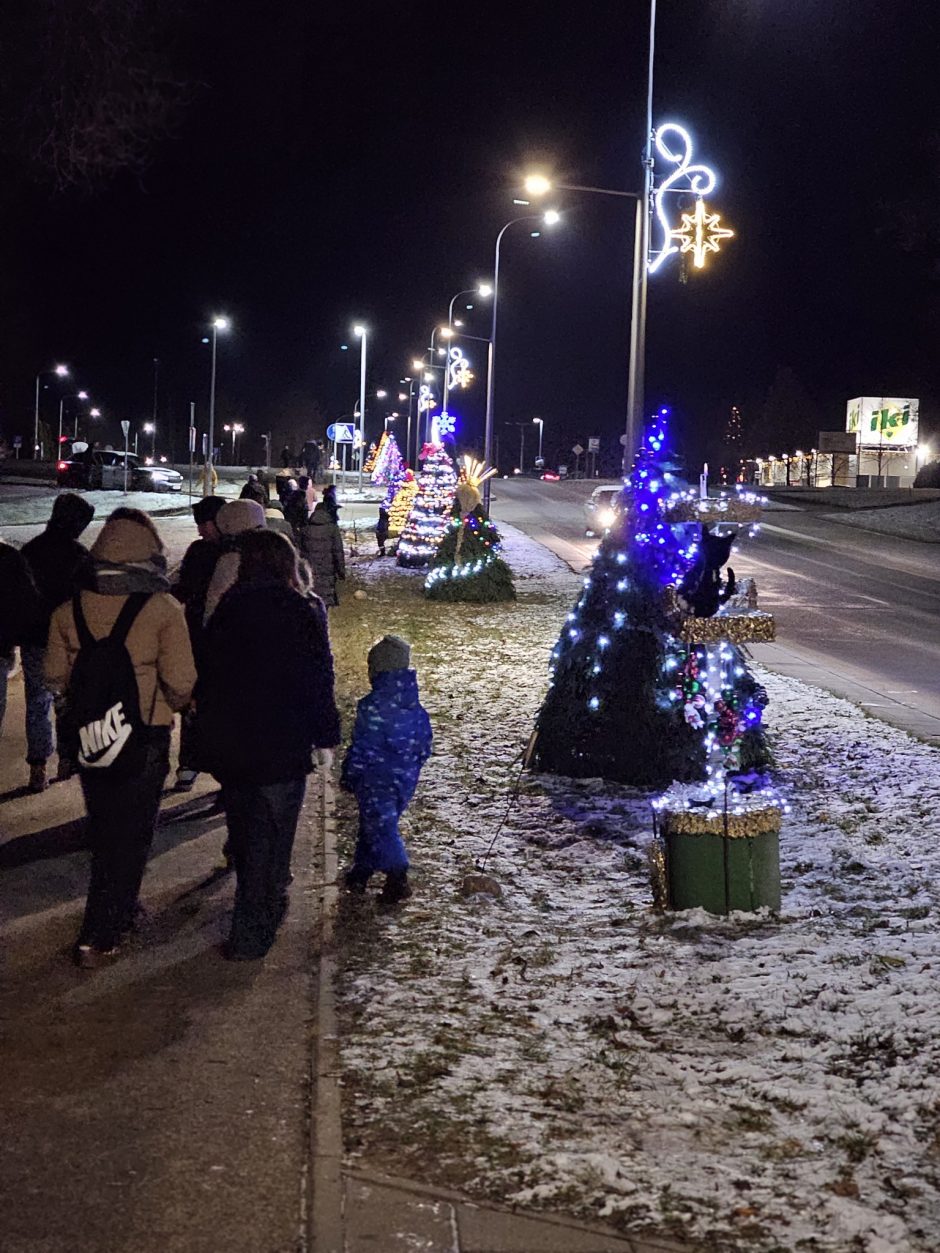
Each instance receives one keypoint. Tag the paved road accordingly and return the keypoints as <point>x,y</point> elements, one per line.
<point>857,613</point>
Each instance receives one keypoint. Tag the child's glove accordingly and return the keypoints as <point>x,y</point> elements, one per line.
<point>325,758</point>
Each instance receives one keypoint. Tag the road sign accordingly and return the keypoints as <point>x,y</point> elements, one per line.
<point>340,432</point>
<point>594,444</point>
<point>577,450</point>
<point>125,427</point>
<point>17,441</point>
<point>562,470</point>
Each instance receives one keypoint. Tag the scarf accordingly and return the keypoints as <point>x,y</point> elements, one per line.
<point>125,578</point>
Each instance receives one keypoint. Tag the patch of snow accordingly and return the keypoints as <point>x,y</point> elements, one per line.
<point>763,1082</point>
<point>919,522</point>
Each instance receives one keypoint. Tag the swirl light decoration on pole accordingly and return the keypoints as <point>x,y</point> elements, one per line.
<point>698,232</point>
<point>550,218</point>
<point>219,323</point>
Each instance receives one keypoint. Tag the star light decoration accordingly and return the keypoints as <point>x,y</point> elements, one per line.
<point>698,232</point>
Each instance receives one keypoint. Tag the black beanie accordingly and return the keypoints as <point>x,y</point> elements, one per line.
<point>71,513</point>
<point>206,510</point>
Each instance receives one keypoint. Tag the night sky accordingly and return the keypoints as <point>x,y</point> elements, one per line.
<point>334,163</point>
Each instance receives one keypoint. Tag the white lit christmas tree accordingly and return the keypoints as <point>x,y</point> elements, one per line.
<point>430,513</point>
<point>389,465</point>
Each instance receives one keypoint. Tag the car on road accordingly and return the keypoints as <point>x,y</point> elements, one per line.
<point>104,468</point>
<point>602,509</point>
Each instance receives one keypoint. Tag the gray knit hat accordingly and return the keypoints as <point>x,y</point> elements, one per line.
<point>391,652</point>
<point>237,516</point>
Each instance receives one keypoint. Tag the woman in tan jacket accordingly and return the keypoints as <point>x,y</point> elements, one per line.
<point>127,558</point>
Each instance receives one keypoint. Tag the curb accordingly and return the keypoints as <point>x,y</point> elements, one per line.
<point>325,1216</point>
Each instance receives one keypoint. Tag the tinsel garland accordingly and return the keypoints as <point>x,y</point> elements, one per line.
<point>755,627</point>
<point>746,816</point>
<point>723,509</point>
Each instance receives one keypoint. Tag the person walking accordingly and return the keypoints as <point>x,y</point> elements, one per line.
<point>234,519</point>
<point>332,503</point>
<point>265,637</point>
<point>391,742</point>
<point>119,656</point>
<point>191,590</point>
<point>311,459</point>
<point>19,611</point>
<point>56,560</point>
<point>322,544</point>
<point>287,457</point>
<point>253,490</point>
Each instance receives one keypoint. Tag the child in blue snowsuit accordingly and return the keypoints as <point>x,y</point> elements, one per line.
<point>391,742</point>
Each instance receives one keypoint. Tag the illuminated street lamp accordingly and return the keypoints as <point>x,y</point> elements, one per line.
<point>219,323</point>
<point>550,218</point>
<point>150,428</point>
<point>74,396</point>
<point>61,371</point>
<point>236,429</point>
<point>541,423</point>
<point>360,331</point>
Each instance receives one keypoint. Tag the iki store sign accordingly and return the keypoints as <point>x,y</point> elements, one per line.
<point>883,421</point>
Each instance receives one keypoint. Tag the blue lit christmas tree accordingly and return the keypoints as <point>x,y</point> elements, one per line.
<point>633,697</point>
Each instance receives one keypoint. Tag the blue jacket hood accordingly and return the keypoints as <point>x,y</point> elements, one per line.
<point>397,687</point>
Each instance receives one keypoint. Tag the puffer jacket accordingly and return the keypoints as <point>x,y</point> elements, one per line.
<point>158,641</point>
<point>392,738</point>
<point>20,609</point>
<point>322,544</point>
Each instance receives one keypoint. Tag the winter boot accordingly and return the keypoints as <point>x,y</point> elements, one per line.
<point>397,888</point>
<point>37,776</point>
<point>355,881</point>
<point>185,779</point>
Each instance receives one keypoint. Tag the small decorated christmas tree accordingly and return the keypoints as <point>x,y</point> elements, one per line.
<point>389,466</point>
<point>432,507</point>
<point>467,564</point>
<point>401,502</point>
<point>373,455</point>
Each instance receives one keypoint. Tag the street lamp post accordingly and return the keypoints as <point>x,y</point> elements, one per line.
<point>218,324</point>
<point>541,423</point>
<point>150,428</point>
<point>363,337</point>
<point>62,372</point>
<point>63,399</point>
<point>550,218</point>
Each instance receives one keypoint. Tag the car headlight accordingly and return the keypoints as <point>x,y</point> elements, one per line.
<point>605,517</point>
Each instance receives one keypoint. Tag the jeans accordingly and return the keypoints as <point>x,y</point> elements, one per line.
<point>262,822</point>
<point>122,816</point>
<point>379,846</point>
<point>40,741</point>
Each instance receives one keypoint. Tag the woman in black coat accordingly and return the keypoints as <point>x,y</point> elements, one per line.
<point>322,544</point>
<point>265,636</point>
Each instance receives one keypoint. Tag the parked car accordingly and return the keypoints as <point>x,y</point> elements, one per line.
<point>601,509</point>
<point>104,468</point>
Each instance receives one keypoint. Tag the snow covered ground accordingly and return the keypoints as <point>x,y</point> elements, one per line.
<point>749,1082</point>
<point>921,522</point>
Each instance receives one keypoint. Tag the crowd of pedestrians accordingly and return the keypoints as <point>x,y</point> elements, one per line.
<point>238,646</point>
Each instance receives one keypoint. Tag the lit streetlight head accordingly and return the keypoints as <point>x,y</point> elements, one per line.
<point>539,420</point>
<point>94,413</point>
<point>359,330</point>
<point>381,393</point>
<point>445,332</point>
<point>537,185</point>
<point>484,290</point>
<point>62,371</point>
<point>148,428</point>
<point>402,395</point>
<point>429,378</point>
<point>220,323</point>
<point>552,217</point>
<point>417,365</point>
<point>82,395</point>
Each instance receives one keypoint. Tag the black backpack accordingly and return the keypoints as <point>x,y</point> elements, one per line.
<point>107,735</point>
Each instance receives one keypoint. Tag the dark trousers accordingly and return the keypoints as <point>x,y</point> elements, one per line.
<point>262,821</point>
<point>122,815</point>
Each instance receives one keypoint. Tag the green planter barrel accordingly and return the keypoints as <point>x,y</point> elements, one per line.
<point>722,873</point>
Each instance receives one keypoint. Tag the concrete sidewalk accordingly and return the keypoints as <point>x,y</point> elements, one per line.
<point>356,1210</point>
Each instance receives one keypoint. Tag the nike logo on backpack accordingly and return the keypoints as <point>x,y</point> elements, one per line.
<point>101,741</point>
